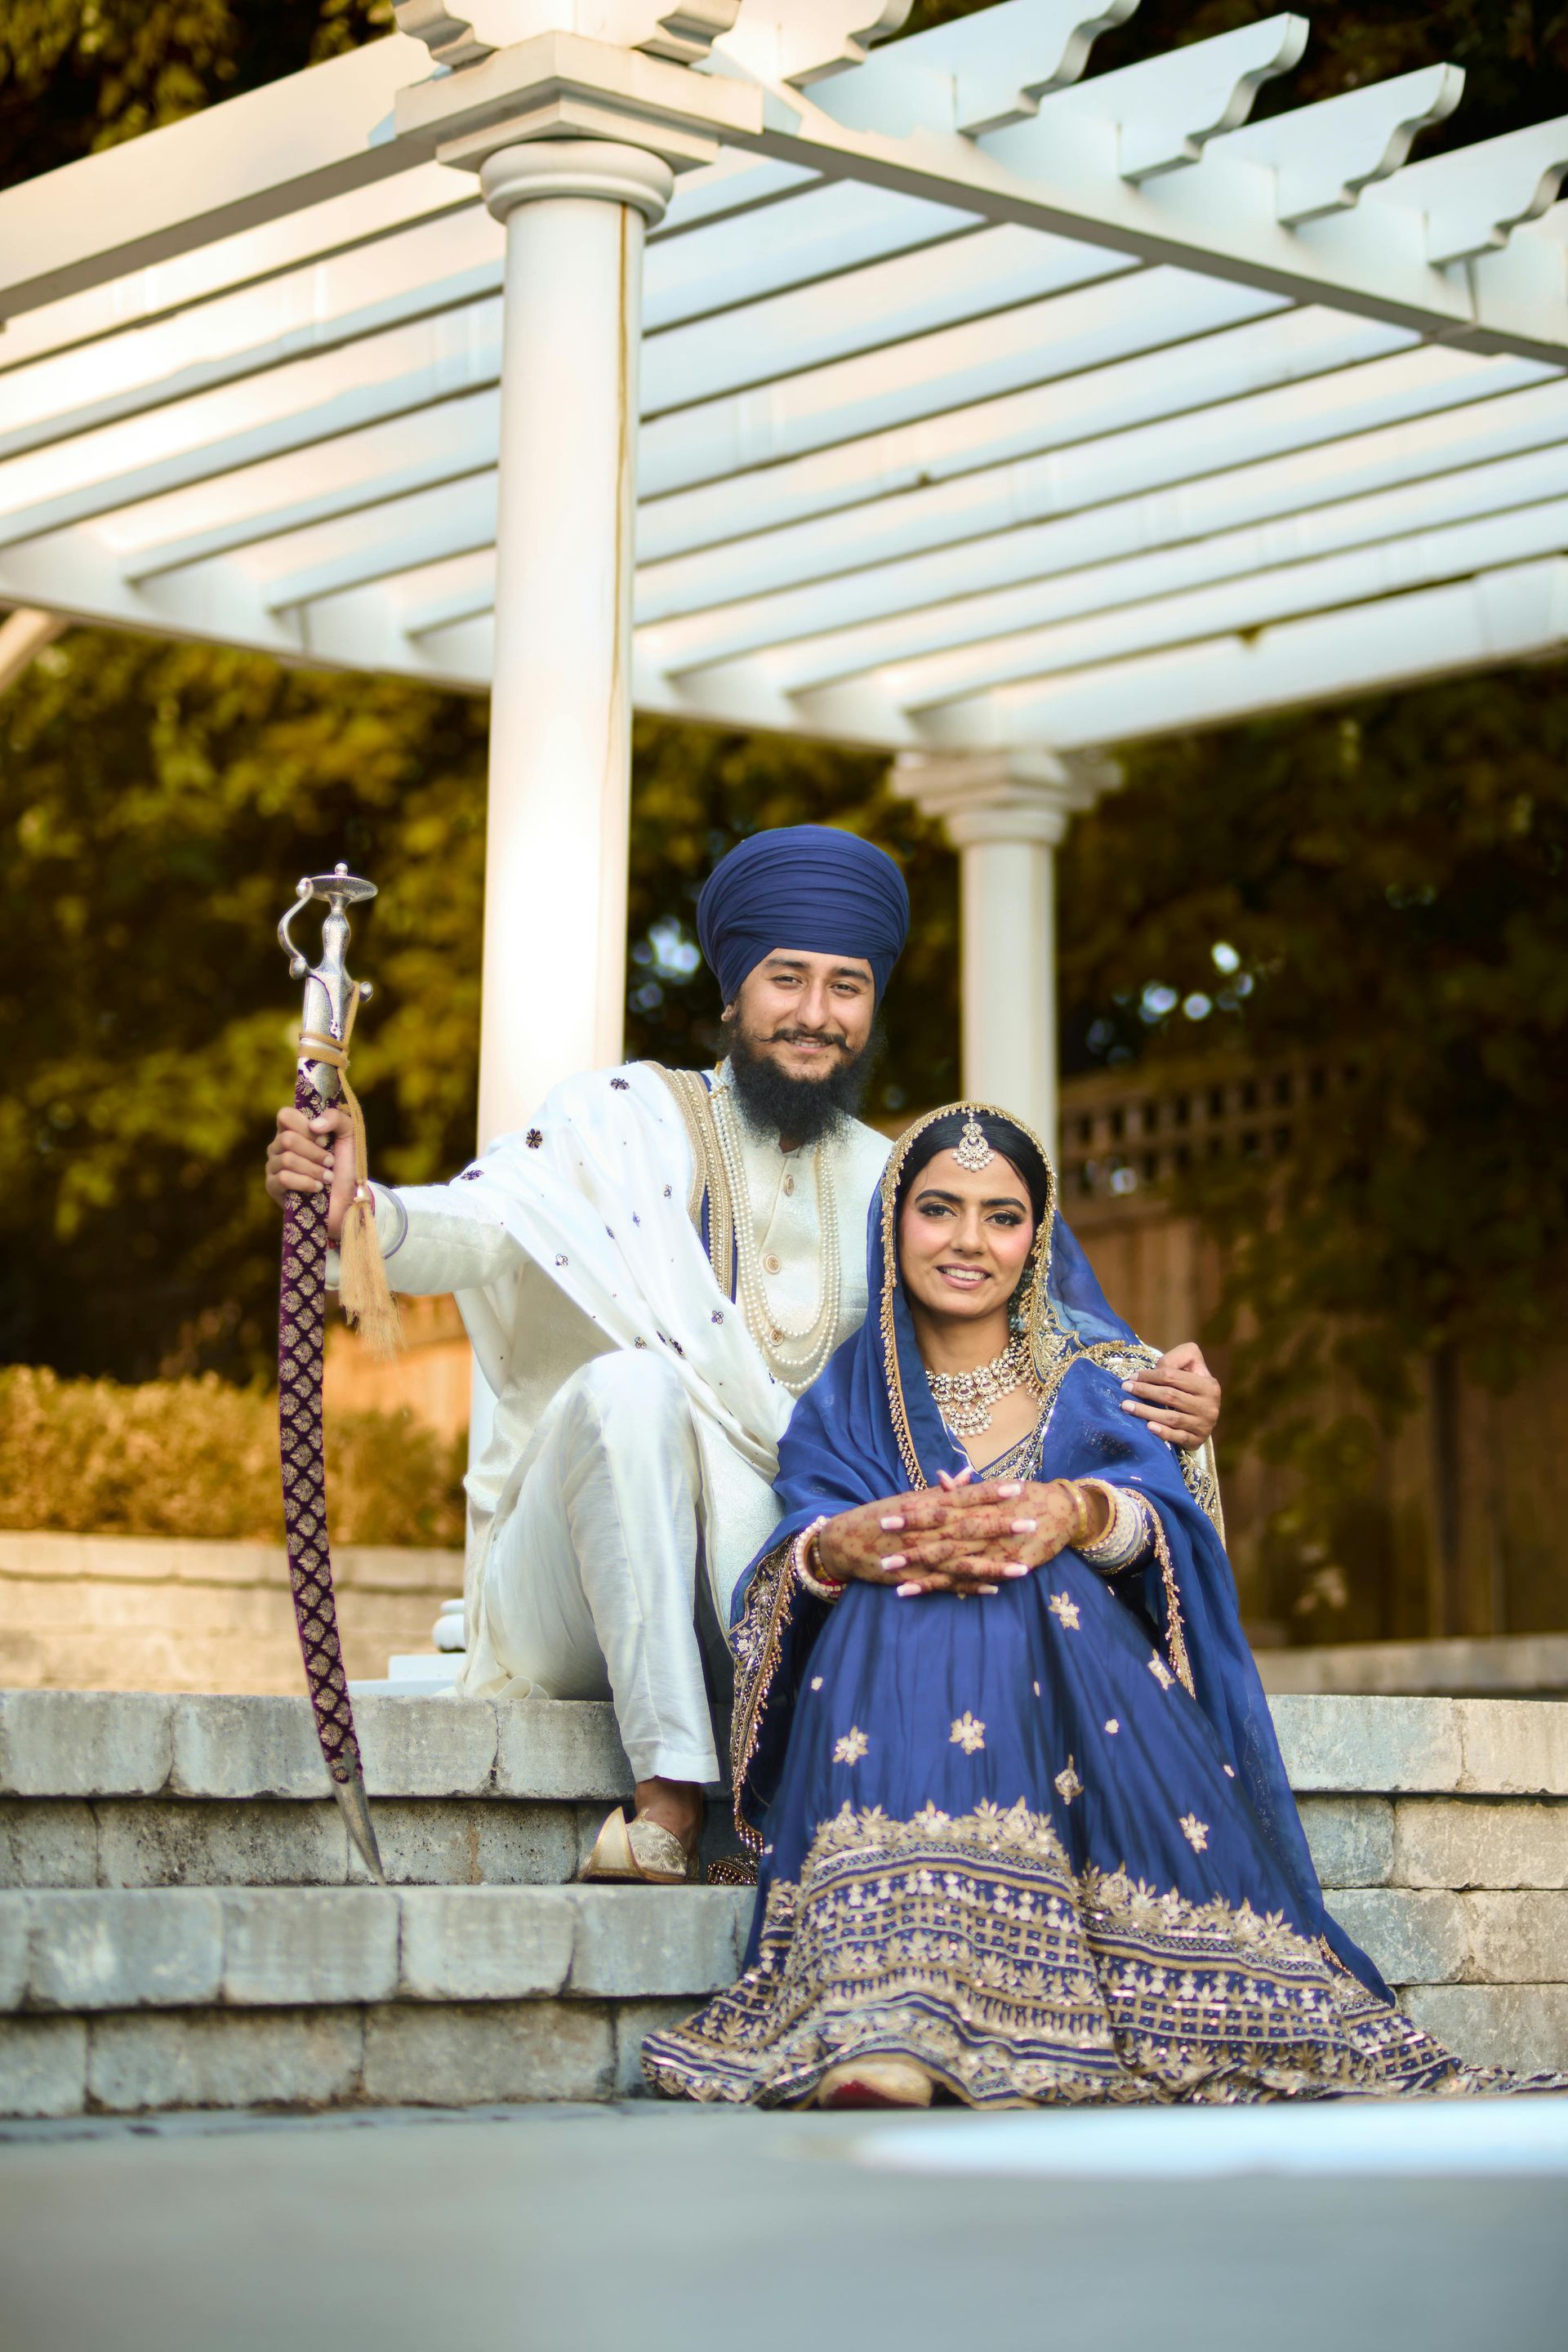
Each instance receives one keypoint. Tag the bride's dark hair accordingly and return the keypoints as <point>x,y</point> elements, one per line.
<point>943,1134</point>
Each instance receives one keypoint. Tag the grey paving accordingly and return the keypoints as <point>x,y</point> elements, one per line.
<point>594,2230</point>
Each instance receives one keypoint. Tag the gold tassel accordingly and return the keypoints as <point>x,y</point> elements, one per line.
<point>364,1292</point>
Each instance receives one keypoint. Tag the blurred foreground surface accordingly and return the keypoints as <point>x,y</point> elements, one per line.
<point>577,2230</point>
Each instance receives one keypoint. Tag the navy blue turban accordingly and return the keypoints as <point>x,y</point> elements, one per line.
<point>803,886</point>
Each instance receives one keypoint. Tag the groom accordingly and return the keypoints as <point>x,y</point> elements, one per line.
<point>650,1274</point>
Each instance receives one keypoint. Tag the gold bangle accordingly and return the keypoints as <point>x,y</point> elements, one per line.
<point>1078,1533</point>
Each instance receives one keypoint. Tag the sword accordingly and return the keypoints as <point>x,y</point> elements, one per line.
<point>331,1001</point>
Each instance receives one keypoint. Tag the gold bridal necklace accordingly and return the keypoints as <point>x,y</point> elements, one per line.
<point>964,1399</point>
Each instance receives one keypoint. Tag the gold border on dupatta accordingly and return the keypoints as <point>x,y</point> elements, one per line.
<point>1053,1350</point>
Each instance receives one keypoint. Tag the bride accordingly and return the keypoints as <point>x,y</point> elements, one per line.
<point>1028,1838</point>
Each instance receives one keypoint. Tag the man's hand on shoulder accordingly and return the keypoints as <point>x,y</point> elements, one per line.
<point>304,1153</point>
<point>1178,1397</point>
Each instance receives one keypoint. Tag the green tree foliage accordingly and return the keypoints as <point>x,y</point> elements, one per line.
<point>159,801</point>
<point>77,75</point>
<point>1388,877</point>
<point>1376,895</point>
<point>156,804</point>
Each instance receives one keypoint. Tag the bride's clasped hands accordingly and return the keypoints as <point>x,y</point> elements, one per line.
<point>961,1537</point>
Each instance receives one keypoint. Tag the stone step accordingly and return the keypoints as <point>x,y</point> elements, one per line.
<point>125,1999</point>
<point>147,1744</point>
<point>271,1946</point>
<point>140,1744</point>
<point>184,1926</point>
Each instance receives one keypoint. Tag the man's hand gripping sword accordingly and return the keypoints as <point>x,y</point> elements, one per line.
<point>331,1000</point>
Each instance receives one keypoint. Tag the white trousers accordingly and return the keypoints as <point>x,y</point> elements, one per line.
<point>590,1587</point>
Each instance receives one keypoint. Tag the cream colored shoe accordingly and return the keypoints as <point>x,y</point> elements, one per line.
<point>874,2082</point>
<point>640,1852</point>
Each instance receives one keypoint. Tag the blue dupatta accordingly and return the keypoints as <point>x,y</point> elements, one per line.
<point>870,1428</point>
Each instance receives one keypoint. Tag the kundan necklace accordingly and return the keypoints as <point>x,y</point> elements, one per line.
<point>964,1399</point>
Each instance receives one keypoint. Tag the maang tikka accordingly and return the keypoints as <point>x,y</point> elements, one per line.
<point>972,1150</point>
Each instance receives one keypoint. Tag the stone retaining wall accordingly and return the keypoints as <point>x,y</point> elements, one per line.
<point>159,1613</point>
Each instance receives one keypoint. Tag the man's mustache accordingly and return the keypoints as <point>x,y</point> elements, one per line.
<point>809,1038</point>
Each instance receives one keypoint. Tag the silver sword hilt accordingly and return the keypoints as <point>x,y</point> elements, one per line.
<point>328,988</point>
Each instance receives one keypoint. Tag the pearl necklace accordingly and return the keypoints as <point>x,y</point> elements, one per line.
<point>964,1399</point>
<point>776,1340</point>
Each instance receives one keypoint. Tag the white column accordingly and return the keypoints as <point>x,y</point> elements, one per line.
<point>1005,813</point>
<point>555,877</point>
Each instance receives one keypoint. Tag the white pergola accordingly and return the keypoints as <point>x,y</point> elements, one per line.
<point>954,402</point>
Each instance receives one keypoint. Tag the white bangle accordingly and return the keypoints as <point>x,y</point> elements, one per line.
<point>820,1588</point>
<point>1126,1534</point>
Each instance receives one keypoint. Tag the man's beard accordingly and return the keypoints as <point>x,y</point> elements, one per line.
<point>797,1110</point>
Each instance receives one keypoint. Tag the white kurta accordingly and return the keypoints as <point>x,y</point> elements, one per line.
<point>564,1244</point>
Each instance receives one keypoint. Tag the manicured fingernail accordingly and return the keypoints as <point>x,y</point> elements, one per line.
<point>1127,1406</point>
<point>1015,1570</point>
<point>896,1560</point>
<point>908,1591</point>
<point>1022,1528</point>
<point>987,1588</point>
<point>1010,1493</point>
<point>891,1526</point>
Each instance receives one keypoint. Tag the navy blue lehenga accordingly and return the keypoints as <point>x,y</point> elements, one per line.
<point>1042,1840</point>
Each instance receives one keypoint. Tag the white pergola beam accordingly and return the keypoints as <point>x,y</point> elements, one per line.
<point>1507,616</point>
<point>1389,563</point>
<point>429,527</point>
<point>452,358</point>
<point>1059,173</point>
<point>440,265</point>
<point>251,159</point>
<point>1297,518</point>
<point>937,523</point>
<point>24,635</point>
<point>1473,199</point>
<point>1323,156</point>
<point>312,337</point>
<point>1166,111</point>
<point>365,471</point>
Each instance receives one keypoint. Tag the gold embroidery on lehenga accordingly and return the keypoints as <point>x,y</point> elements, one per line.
<point>967,1943</point>
<point>967,1734</point>
<point>1066,1609</point>
<point>1197,1833</point>
<point>1067,1784</point>
<point>1161,1671</point>
<point>852,1747</point>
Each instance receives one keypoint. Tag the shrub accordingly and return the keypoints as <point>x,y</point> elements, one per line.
<point>196,1457</point>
